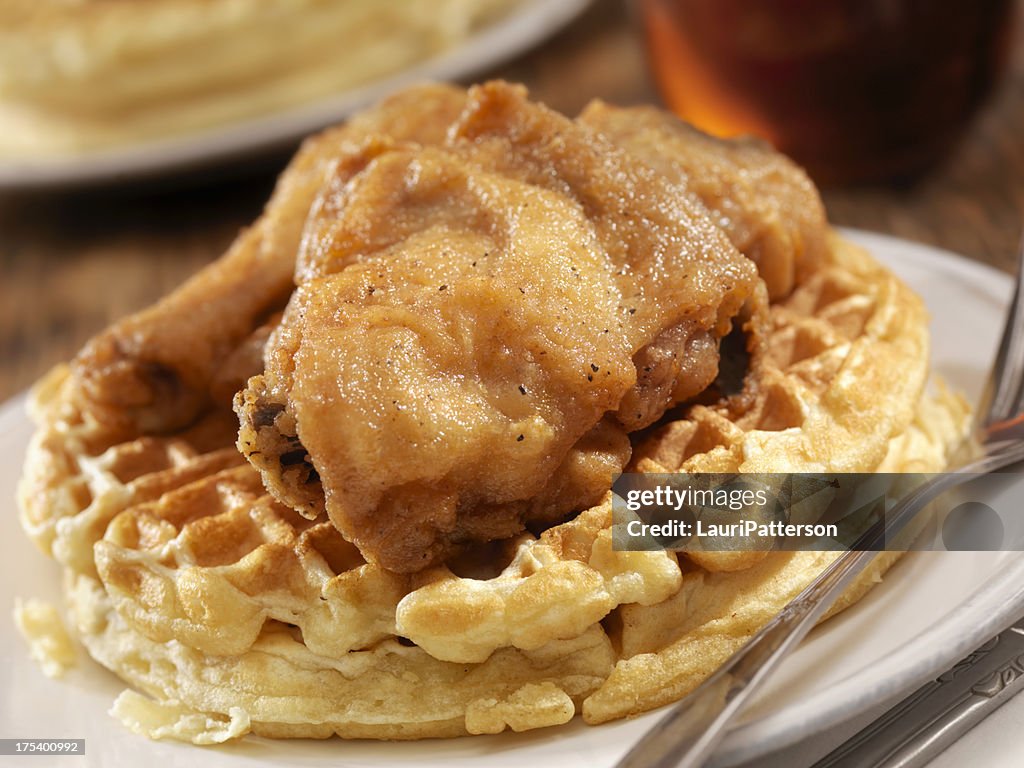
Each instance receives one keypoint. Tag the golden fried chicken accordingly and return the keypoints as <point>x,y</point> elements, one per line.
<point>151,372</point>
<point>478,325</point>
<point>763,201</point>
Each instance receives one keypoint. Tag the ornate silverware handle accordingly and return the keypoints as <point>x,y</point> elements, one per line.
<point>688,734</point>
<point>921,726</point>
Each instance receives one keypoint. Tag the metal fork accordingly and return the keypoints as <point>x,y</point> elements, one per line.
<point>688,734</point>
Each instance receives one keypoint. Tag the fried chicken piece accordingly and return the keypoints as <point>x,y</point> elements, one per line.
<point>151,372</point>
<point>478,325</point>
<point>763,201</point>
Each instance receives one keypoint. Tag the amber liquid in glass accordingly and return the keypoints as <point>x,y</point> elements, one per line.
<point>856,90</point>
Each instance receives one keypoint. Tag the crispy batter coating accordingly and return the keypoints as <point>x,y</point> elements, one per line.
<point>478,325</point>
<point>151,372</point>
<point>763,201</point>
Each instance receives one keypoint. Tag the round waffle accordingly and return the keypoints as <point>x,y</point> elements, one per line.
<point>232,613</point>
<point>81,76</point>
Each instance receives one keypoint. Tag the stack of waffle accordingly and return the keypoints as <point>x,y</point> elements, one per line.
<point>91,75</point>
<point>228,611</point>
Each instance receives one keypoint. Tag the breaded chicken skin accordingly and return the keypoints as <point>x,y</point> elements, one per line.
<point>477,327</point>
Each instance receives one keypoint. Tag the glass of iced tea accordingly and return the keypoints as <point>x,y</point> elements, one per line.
<point>855,90</point>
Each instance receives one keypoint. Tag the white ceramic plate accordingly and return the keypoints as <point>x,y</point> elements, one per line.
<point>931,610</point>
<point>517,32</point>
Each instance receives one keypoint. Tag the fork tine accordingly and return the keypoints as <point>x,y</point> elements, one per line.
<point>1005,390</point>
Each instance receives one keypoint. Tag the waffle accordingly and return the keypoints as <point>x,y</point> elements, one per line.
<point>82,76</point>
<point>833,348</point>
<point>231,613</point>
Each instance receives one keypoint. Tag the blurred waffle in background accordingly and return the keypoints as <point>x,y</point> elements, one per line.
<point>83,75</point>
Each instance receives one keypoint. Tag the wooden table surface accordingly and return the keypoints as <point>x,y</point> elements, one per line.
<point>73,261</point>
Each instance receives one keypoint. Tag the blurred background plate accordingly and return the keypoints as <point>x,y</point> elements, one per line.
<point>513,34</point>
